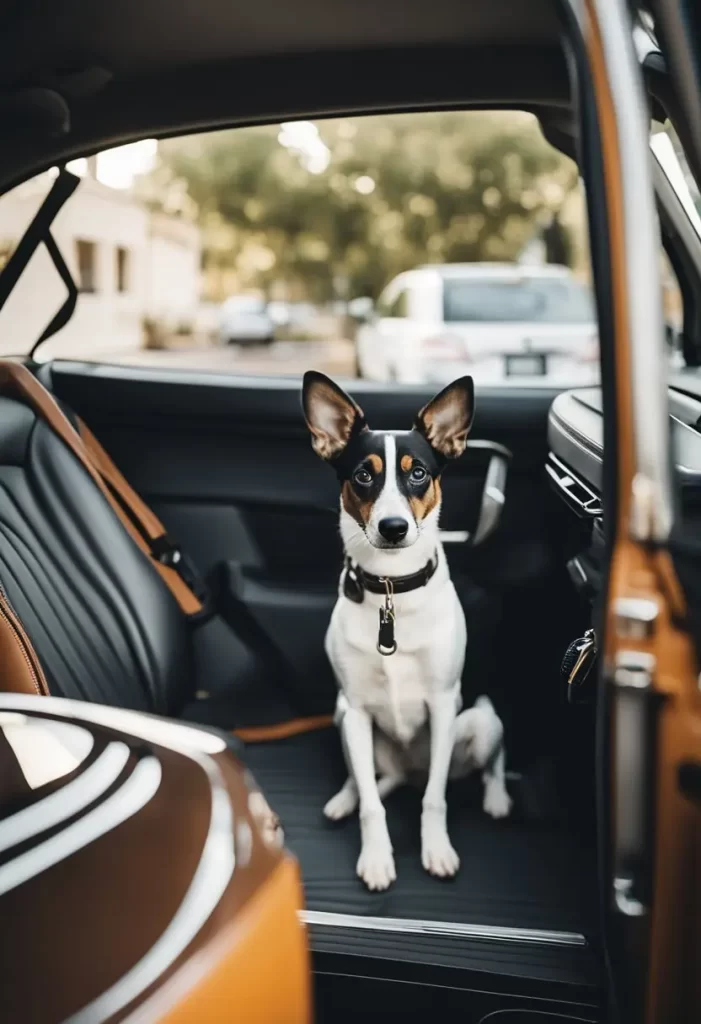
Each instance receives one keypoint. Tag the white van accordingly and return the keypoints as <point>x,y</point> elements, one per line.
<point>499,322</point>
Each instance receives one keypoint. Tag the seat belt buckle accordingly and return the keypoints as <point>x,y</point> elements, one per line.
<point>168,553</point>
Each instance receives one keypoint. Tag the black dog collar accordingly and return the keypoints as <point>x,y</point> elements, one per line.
<point>356,581</point>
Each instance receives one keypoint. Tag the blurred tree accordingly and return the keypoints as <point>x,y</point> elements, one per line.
<point>397,191</point>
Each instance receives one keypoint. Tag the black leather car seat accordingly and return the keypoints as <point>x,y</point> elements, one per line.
<point>102,623</point>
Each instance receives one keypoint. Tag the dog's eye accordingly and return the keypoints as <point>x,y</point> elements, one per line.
<point>361,476</point>
<point>418,475</point>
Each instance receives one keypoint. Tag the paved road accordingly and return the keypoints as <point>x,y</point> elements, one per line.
<point>281,358</point>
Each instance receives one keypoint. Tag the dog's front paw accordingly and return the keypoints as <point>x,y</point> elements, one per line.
<point>376,865</point>
<point>497,802</point>
<point>437,854</point>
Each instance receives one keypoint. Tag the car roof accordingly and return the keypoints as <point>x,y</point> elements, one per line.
<point>507,271</point>
<point>77,76</point>
<point>244,300</point>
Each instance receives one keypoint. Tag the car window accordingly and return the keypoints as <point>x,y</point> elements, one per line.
<point>529,300</point>
<point>669,153</point>
<point>386,302</point>
<point>668,150</point>
<point>398,308</point>
<point>279,248</point>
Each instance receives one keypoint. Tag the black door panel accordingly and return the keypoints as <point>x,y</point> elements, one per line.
<point>228,459</point>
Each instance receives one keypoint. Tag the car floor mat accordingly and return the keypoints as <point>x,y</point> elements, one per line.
<point>513,873</point>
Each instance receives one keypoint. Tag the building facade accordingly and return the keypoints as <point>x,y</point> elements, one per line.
<point>130,266</point>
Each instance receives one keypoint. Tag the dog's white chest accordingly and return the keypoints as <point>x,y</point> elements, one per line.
<point>396,690</point>
<point>395,696</point>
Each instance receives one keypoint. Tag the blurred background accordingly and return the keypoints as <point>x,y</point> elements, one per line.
<point>407,247</point>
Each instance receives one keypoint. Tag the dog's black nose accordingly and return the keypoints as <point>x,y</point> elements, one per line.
<point>393,529</point>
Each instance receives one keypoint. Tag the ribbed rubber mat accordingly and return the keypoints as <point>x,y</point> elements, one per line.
<point>513,873</point>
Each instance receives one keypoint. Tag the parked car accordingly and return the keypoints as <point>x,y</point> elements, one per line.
<point>246,320</point>
<point>293,316</point>
<point>499,322</point>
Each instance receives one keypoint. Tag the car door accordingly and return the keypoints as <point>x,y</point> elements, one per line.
<point>380,341</point>
<point>651,716</point>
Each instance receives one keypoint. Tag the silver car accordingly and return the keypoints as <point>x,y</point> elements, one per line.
<point>502,323</point>
<point>245,320</point>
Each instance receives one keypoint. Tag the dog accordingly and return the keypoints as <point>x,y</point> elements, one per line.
<point>397,637</point>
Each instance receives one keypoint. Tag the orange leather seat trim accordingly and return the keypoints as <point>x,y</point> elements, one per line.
<point>257,971</point>
<point>20,671</point>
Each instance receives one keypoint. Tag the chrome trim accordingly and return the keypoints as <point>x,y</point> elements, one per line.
<point>208,884</point>
<point>585,444</point>
<point>634,670</point>
<point>184,738</point>
<point>490,446</point>
<point>635,617</point>
<point>454,536</point>
<point>633,798</point>
<point>137,791</point>
<point>588,504</point>
<point>493,499</point>
<point>72,798</point>
<point>682,211</point>
<point>651,508</point>
<point>212,876</point>
<point>411,926</point>
<point>493,496</point>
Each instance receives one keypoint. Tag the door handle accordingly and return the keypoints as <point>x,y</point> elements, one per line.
<point>493,497</point>
<point>454,536</point>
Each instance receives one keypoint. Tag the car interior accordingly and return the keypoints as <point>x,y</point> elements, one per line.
<point>225,463</point>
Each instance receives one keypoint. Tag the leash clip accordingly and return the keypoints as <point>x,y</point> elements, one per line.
<point>386,644</point>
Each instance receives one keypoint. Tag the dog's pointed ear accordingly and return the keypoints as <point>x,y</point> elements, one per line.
<point>332,416</point>
<point>445,422</point>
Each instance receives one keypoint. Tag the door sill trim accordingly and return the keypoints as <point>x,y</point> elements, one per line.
<point>485,933</point>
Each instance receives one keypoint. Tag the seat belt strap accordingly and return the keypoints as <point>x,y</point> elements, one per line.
<point>138,519</point>
<point>162,547</point>
<point>38,232</point>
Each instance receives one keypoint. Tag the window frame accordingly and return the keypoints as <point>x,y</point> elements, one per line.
<point>680,235</point>
<point>122,266</point>
<point>86,287</point>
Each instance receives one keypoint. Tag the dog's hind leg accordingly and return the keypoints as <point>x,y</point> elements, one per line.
<point>479,745</point>
<point>496,802</point>
<point>344,802</point>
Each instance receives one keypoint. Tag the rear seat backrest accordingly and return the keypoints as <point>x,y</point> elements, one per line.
<point>102,622</point>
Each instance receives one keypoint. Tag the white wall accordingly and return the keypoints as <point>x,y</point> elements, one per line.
<point>172,277</point>
<point>162,274</point>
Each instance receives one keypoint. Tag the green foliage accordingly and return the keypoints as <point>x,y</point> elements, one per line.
<point>399,190</point>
